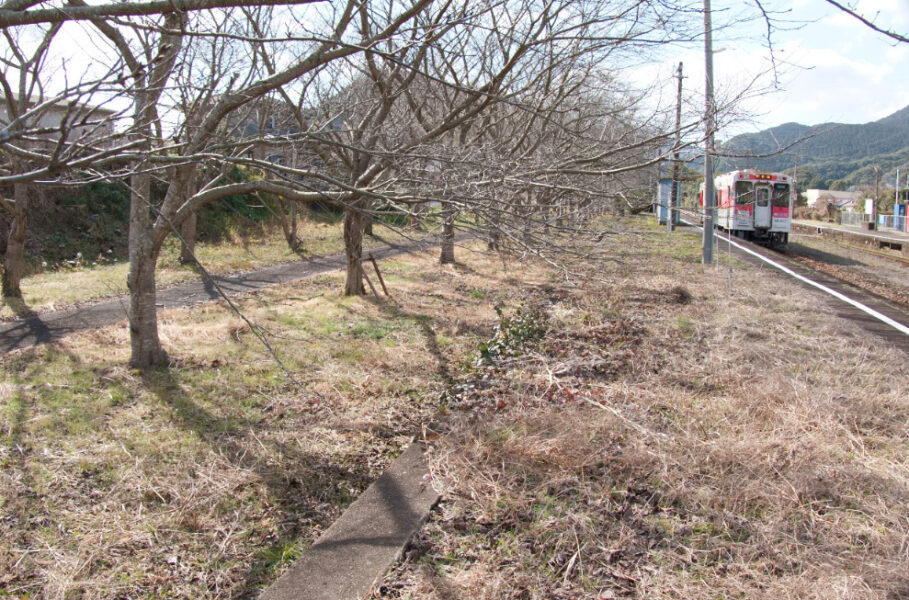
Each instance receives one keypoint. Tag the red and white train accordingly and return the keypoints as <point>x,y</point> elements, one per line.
<point>754,205</point>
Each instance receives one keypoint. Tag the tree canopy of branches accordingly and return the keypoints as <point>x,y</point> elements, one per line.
<point>506,110</point>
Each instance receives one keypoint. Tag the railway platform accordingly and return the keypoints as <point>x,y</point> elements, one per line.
<point>882,240</point>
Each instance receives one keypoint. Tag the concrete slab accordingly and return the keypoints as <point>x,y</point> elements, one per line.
<point>356,551</point>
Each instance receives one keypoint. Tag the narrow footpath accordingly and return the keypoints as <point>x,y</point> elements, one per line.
<point>50,326</point>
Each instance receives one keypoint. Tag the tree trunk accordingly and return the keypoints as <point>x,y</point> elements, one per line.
<point>187,179</point>
<point>288,223</point>
<point>143,257</point>
<point>293,241</point>
<point>188,244</point>
<point>15,244</point>
<point>367,227</point>
<point>415,220</point>
<point>492,240</point>
<point>619,207</point>
<point>354,224</point>
<point>447,256</point>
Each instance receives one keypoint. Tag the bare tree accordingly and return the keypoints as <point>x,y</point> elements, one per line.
<point>21,12</point>
<point>429,106</point>
<point>162,42</point>
<point>853,12</point>
<point>500,109</point>
<point>548,141</point>
<point>47,127</point>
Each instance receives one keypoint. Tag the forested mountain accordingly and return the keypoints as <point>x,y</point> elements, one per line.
<point>830,155</point>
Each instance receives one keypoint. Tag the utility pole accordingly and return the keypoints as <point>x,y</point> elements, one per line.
<point>877,196</point>
<point>674,192</point>
<point>709,124</point>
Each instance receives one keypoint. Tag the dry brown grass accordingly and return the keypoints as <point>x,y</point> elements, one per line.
<point>206,479</point>
<point>737,444</point>
<point>664,439</point>
<point>864,268</point>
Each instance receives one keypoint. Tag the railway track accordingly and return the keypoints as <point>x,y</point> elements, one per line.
<point>894,293</point>
<point>876,313</point>
<point>864,249</point>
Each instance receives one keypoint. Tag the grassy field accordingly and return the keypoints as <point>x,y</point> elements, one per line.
<point>206,479</point>
<point>244,250</point>
<point>627,427</point>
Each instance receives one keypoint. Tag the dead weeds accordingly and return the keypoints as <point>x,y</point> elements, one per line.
<point>667,444</point>
<point>628,437</point>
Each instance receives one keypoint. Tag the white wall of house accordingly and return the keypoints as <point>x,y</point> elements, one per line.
<point>101,122</point>
<point>836,197</point>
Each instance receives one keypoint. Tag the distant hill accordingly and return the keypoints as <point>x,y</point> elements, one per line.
<point>828,155</point>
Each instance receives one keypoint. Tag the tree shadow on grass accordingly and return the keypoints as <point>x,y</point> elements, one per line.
<point>25,508</point>
<point>29,330</point>
<point>406,247</point>
<point>21,504</point>
<point>18,409</point>
<point>393,311</point>
<point>299,483</point>
<point>464,268</point>
<point>425,322</point>
<point>19,307</point>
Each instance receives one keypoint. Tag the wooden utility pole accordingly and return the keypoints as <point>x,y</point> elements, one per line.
<point>674,192</point>
<point>709,125</point>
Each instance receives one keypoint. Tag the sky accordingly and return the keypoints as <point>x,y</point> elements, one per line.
<point>830,66</point>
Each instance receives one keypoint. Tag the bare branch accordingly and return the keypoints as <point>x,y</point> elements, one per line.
<point>10,17</point>
<point>849,11</point>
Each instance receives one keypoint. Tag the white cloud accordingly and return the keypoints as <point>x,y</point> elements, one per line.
<point>832,68</point>
<point>887,14</point>
<point>842,70</point>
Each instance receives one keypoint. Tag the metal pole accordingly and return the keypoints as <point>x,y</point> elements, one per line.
<point>709,196</point>
<point>729,255</point>
<point>674,192</point>
<point>877,196</point>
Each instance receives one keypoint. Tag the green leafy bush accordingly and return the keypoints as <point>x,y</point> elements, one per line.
<point>513,335</point>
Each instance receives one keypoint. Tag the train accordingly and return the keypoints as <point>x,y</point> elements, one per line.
<point>754,205</point>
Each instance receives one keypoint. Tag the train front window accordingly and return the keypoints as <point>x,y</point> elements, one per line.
<point>744,192</point>
<point>780,195</point>
<point>762,196</point>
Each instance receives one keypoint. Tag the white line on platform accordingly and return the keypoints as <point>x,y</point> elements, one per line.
<point>866,309</point>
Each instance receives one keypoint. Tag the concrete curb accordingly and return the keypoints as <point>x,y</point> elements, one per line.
<point>356,551</point>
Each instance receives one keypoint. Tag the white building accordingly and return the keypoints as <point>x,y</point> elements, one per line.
<point>84,123</point>
<point>837,199</point>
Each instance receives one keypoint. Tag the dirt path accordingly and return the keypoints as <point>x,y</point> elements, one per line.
<point>50,326</point>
